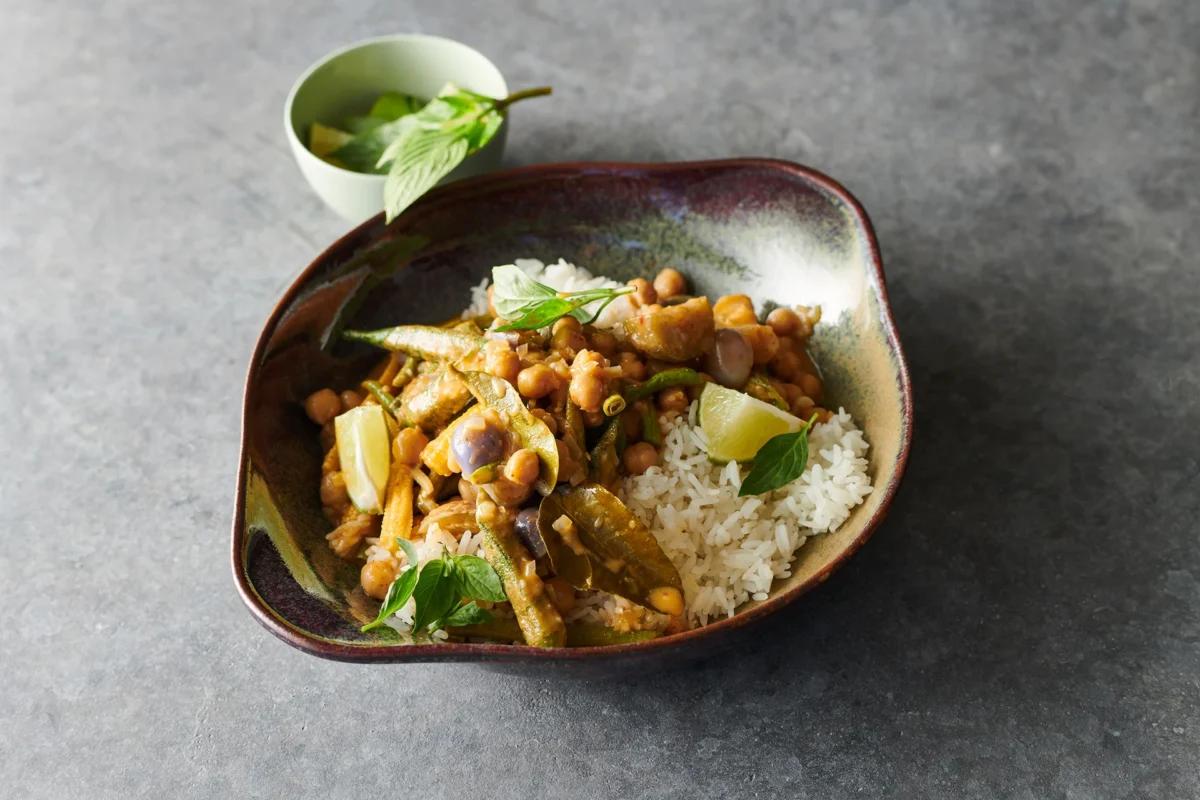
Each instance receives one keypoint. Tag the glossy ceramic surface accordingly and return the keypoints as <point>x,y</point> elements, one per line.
<point>777,231</point>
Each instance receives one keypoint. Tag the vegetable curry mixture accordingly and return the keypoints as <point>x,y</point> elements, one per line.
<point>518,426</point>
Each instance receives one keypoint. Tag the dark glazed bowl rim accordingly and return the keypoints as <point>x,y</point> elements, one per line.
<point>462,652</point>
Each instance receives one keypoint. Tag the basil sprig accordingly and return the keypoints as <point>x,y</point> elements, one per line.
<point>444,590</point>
<point>420,148</point>
<point>778,462</point>
<point>530,305</point>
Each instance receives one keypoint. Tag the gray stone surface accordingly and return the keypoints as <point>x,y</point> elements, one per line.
<point>1027,622</point>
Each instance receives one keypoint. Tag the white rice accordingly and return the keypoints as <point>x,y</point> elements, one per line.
<point>728,549</point>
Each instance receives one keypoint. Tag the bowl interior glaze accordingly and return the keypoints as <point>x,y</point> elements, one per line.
<point>774,230</point>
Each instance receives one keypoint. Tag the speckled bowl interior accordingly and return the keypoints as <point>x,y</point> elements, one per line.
<point>779,232</point>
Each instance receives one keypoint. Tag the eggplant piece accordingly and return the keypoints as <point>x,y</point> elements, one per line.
<point>595,542</point>
<point>500,396</point>
<point>431,400</point>
<point>526,526</point>
<point>673,333</point>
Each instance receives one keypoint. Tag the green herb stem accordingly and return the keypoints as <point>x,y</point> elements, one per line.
<point>524,94</point>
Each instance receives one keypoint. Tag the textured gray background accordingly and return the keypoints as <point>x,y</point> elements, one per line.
<point>1026,623</point>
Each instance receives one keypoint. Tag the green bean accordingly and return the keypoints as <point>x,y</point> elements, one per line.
<point>680,376</point>
<point>651,432</point>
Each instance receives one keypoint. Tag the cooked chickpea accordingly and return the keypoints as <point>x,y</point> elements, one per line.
<point>732,310</point>
<point>333,491</point>
<point>328,436</point>
<point>790,392</point>
<point>762,340</point>
<point>522,467</point>
<point>377,577</point>
<point>409,444</point>
<point>673,399</point>
<point>587,388</point>
<point>639,457</point>
<point>811,385</point>
<point>322,406</point>
<point>802,407</point>
<point>561,594</point>
<point>786,365</point>
<point>566,337</point>
<point>784,321</point>
<point>631,421</point>
<point>632,367</point>
<point>668,283</point>
<point>603,342</point>
<point>567,323</point>
<point>500,360</point>
<point>351,399</point>
<point>643,292</point>
<point>536,381</point>
<point>507,493</point>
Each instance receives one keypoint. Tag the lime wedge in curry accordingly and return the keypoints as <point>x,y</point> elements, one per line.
<point>364,449</point>
<point>737,425</point>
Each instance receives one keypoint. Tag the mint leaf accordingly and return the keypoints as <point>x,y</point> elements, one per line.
<point>397,595</point>
<point>778,462</point>
<point>477,579</point>
<point>466,614</point>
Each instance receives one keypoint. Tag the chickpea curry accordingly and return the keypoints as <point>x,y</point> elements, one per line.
<point>518,426</point>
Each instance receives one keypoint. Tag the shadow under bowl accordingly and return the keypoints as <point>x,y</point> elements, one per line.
<point>777,231</point>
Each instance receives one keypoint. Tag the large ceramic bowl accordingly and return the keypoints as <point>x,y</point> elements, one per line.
<point>777,231</point>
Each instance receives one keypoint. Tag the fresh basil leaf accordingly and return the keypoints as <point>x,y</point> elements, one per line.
<point>778,462</point>
<point>466,614</point>
<point>397,595</point>
<point>427,157</point>
<point>540,315</point>
<point>513,291</point>
<point>478,580</point>
<point>435,593</point>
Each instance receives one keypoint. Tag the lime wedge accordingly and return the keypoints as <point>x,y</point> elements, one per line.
<point>737,424</point>
<point>323,140</point>
<point>364,448</point>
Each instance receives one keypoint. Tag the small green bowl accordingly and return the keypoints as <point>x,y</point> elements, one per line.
<point>348,80</point>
